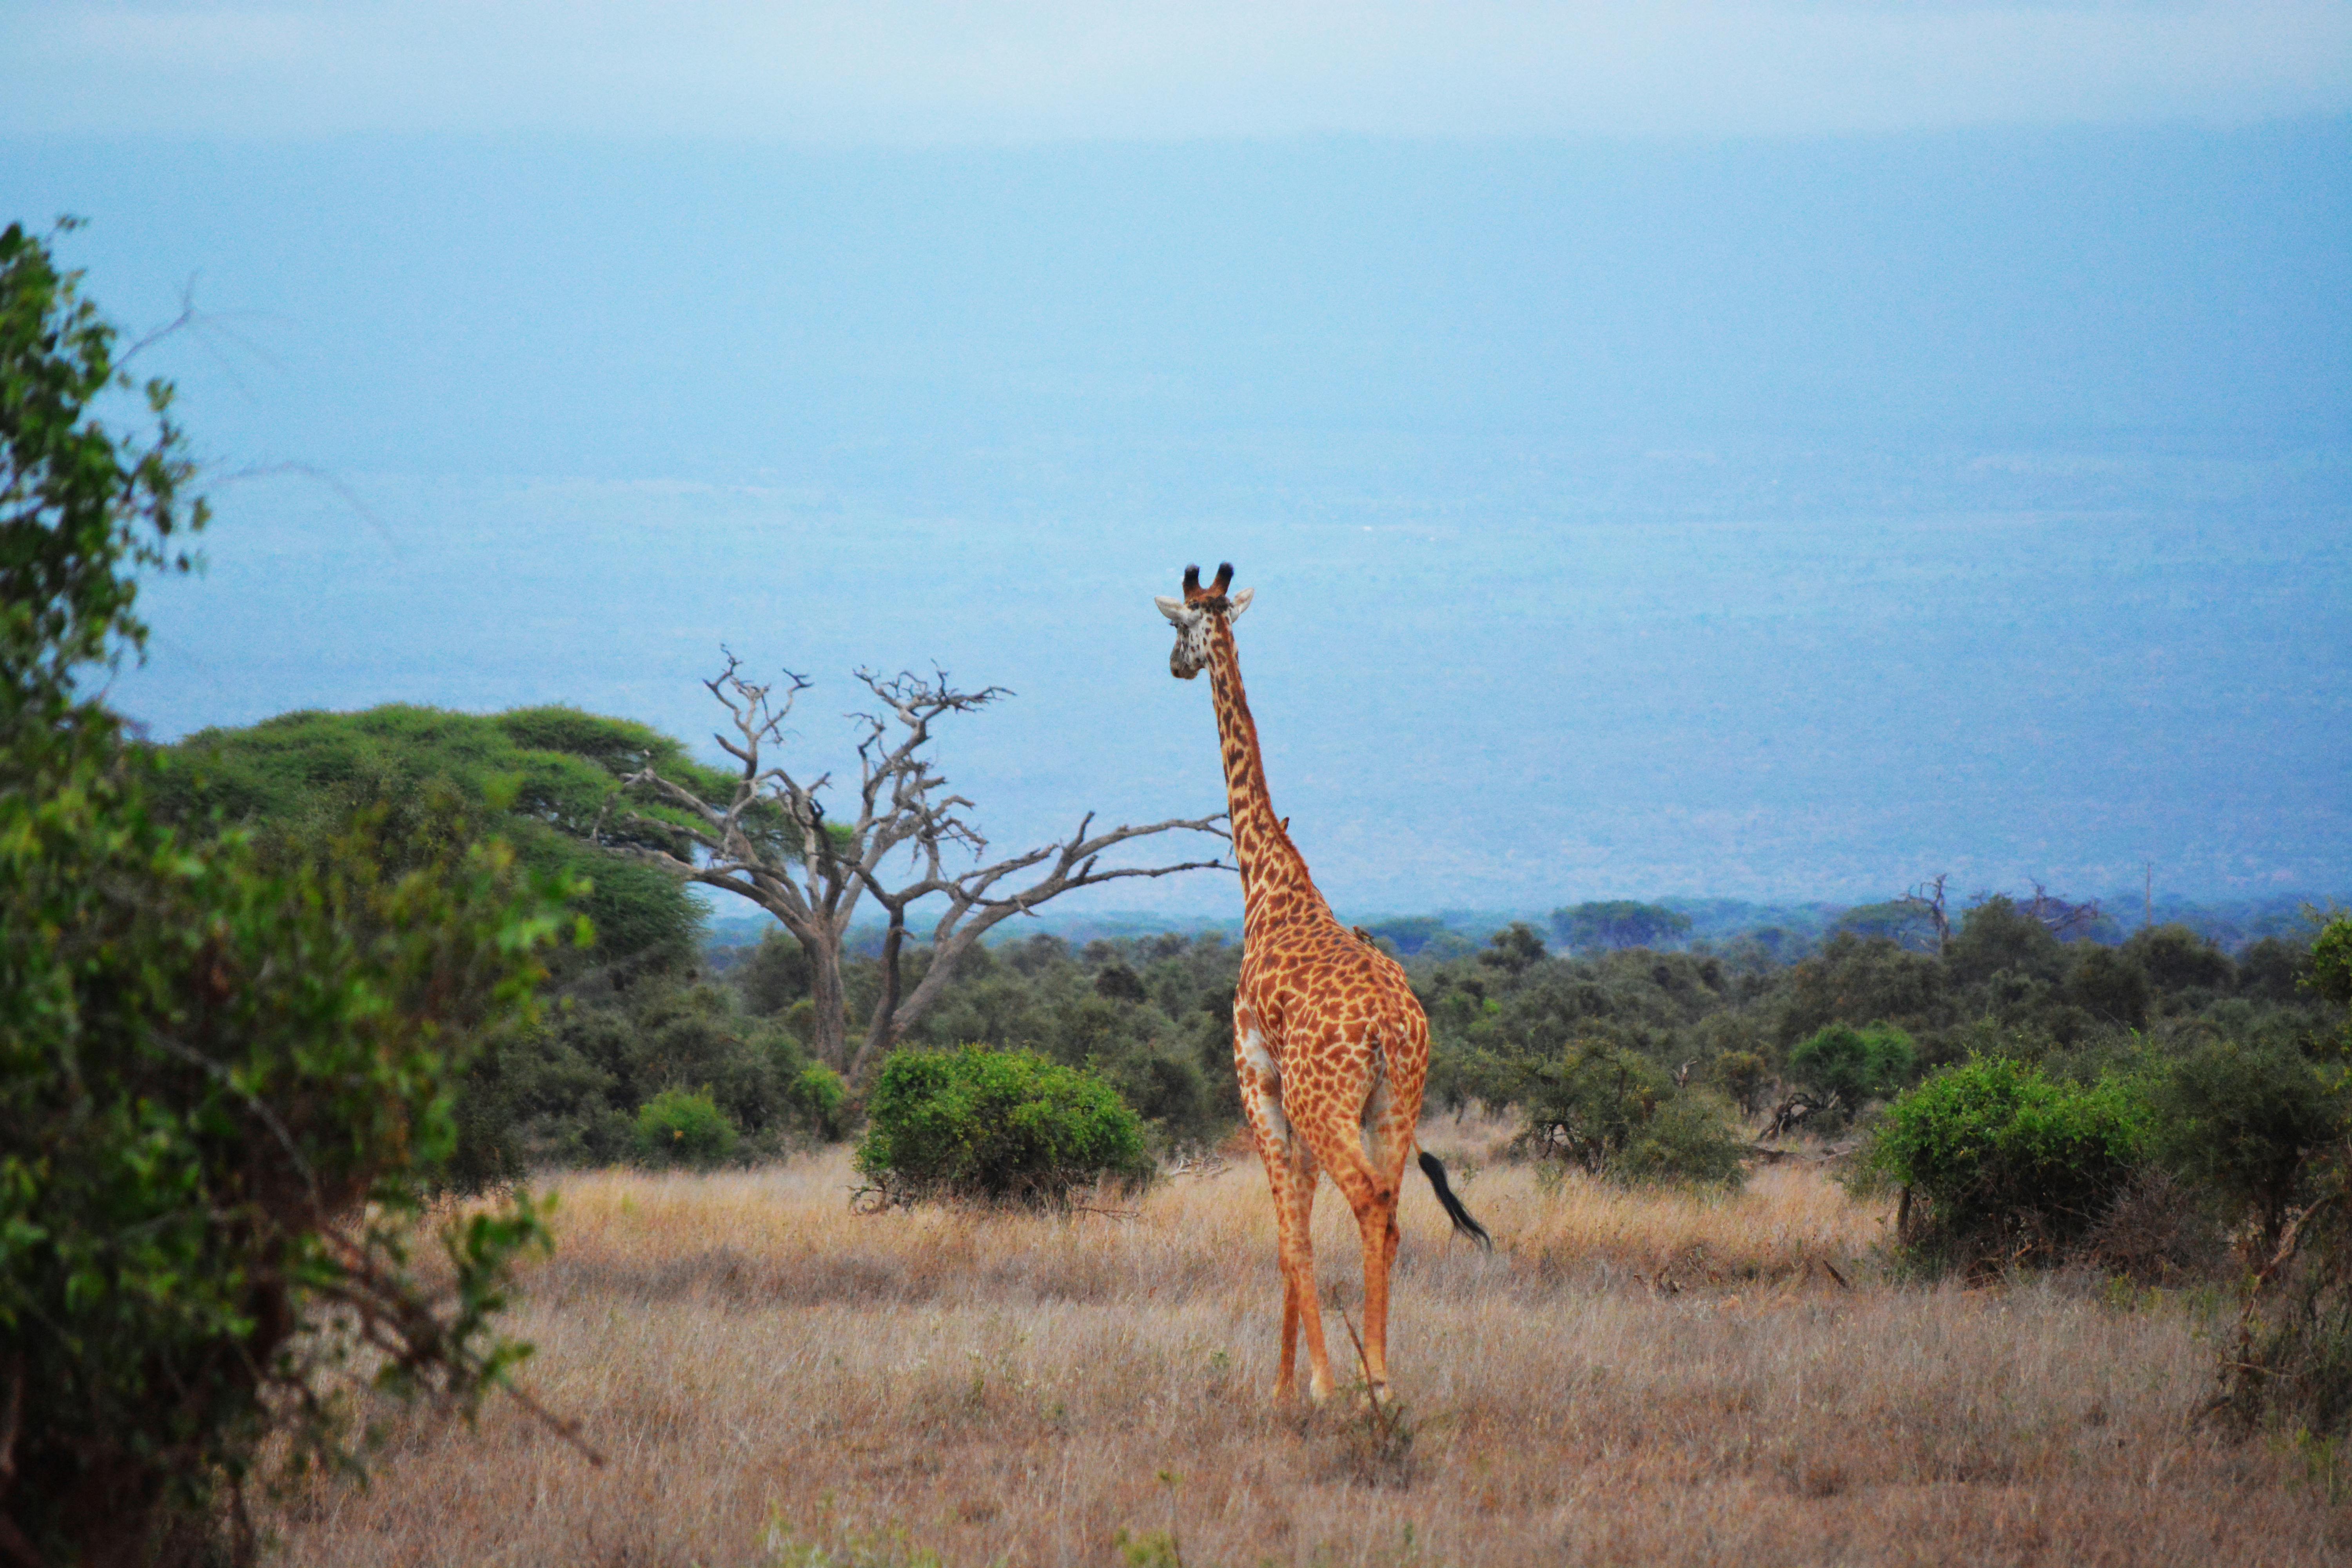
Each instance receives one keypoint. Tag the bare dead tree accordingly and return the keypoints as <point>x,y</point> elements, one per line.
<point>771,842</point>
<point>1929,897</point>
<point>2060,916</point>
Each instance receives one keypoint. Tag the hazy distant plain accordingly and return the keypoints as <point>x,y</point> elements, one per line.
<point>1765,519</point>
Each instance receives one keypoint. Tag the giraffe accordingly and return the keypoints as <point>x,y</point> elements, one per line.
<point>1330,1043</point>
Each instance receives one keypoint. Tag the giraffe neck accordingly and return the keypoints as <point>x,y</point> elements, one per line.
<point>1276,886</point>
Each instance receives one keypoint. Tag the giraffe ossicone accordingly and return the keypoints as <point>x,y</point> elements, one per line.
<point>1331,1045</point>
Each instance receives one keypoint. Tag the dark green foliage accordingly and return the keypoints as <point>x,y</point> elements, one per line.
<point>1900,921</point>
<point>1852,1066</point>
<point>2330,975</point>
<point>2176,959</point>
<point>1618,923</point>
<point>224,1078</point>
<point>674,1128</point>
<point>998,1125</point>
<point>536,776</point>
<point>1513,948</point>
<point>567,1090</point>
<point>1416,935</point>
<point>774,975</point>
<point>1153,1017</point>
<point>1613,1112</point>
<point>1855,980</point>
<point>1687,1139</point>
<point>2239,1122</point>
<point>1585,1104</point>
<point>2290,1364</point>
<point>2110,987</point>
<point>2005,1166</point>
<point>2272,970</point>
<point>821,1101</point>
<point>1744,1076</point>
<point>1996,937</point>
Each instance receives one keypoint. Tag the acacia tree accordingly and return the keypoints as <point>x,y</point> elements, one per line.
<point>770,840</point>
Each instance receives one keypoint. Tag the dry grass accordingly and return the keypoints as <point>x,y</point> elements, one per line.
<point>775,1380</point>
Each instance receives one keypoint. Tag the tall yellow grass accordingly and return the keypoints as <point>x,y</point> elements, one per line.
<point>1625,1379</point>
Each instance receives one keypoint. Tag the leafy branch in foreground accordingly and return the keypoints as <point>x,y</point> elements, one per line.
<point>225,1090</point>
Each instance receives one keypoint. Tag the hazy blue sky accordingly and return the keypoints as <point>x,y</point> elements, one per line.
<point>1772,451</point>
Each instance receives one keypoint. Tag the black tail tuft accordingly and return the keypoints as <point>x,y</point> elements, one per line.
<point>1435,1169</point>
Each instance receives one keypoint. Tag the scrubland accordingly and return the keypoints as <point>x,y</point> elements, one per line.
<point>1626,1378</point>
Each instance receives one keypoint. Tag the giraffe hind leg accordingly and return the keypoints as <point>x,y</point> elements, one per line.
<point>1299,1304</point>
<point>1387,1123</point>
<point>1292,1172</point>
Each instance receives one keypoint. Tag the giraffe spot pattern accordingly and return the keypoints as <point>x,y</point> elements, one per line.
<point>1331,1047</point>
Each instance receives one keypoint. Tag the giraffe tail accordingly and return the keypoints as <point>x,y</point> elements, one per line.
<point>1435,1169</point>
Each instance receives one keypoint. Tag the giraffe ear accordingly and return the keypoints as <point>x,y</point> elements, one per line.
<point>1240,601</point>
<point>1174,609</point>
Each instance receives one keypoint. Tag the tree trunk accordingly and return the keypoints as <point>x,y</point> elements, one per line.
<point>829,1028</point>
<point>881,1032</point>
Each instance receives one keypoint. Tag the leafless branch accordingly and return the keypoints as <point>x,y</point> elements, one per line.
<point>907,838</point>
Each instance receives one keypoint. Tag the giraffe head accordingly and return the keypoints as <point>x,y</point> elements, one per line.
<point>1195,612</point>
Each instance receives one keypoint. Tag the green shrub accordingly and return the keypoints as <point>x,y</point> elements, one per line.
<point>1743,1075</point>
<point>820,1096</point>
<point>979,1123</point>
<point>1851,1065</point>
<point>2007,1162</point>
<point>2175,959</point>
<point>2290,1362</point>
<point>2237,1120</point>
<point>2109,987</point>
<point>1616,1114</point>
<point>674,1128</point>
<point>1687,1139</point>
<point>2331,961</point>
<point>1584,1105</point>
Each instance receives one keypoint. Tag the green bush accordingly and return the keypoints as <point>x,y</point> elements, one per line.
<point>1850,1065</point>
<point>2007,1162</point>
<point>820,1096</point>
<point>1584,1105</point>
<point>2290,1364</point>
<point>1615,1113</point>
<point>979,1123</point>
<point>1744,1076</point>
<point>674,1128</point>
<point>1689,1140</point>
<point>2176,959</point>
<point>2331,961</point>
<point>2110,987</point>
<point>2237,1120</point>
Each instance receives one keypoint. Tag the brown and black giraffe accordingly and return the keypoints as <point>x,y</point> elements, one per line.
<point>1330,1043</point>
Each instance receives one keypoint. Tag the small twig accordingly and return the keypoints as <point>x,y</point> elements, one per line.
<point>568,1430</point>
<point>8,1422</point>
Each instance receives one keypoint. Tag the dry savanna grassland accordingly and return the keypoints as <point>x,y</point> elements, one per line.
<point>1627,1378</point>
